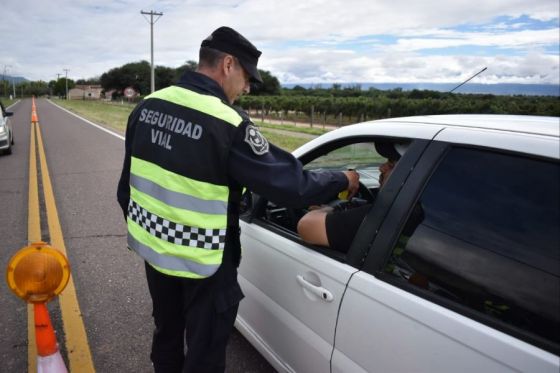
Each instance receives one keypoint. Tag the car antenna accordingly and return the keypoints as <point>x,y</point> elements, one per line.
<point>468,79</point>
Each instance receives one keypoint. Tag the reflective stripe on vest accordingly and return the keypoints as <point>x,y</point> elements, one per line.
<point>206,104</point>
<point>170,264</point>
<point>176,199</point>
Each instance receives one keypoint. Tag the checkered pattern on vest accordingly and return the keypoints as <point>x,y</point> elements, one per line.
<point>213,239</point>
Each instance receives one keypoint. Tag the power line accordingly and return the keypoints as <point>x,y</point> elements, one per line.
<point>152,22</point>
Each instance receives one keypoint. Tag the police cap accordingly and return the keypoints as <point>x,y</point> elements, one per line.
<point>227,40</point>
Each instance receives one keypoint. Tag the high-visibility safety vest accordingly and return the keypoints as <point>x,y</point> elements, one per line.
<point>179,189</point>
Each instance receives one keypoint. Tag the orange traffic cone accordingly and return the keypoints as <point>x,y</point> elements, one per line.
<point>49,359</point>
<point>34,118</point>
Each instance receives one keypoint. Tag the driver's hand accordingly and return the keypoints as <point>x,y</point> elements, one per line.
<point>353,183</point>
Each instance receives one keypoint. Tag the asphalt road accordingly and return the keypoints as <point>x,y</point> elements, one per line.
<point>84,164</point>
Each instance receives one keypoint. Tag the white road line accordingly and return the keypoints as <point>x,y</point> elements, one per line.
<point>89,122</point>
<point>14,104</point>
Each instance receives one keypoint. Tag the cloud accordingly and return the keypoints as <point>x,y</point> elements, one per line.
<point>330,67</point>
<point>517,39</point>
<point>302,41</point>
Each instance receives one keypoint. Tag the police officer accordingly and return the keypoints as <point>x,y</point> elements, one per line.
<point>188,155</point>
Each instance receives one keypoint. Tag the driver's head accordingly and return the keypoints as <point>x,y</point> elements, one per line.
<point>393,152</point>
<point>385,171</point>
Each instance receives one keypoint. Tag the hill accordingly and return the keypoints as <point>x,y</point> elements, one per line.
<point>503,89</point>
<point>16,79</point>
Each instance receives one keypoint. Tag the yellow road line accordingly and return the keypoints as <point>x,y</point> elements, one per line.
<point>33,218</point>
<point>33,235</point>
<point>79,355</point>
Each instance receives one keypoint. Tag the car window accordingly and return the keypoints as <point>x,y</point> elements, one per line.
<point>361,157</point>
<point>485,234</point>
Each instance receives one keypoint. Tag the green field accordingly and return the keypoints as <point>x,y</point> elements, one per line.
<point>115,117</point>
<point>283,141</point>
<point>291,127</point>
<point>7,102</point>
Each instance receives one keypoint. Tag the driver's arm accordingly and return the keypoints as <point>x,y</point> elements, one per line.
<point>312,226</point>
<point>334,228</point>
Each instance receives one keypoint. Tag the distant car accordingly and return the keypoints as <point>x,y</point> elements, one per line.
<point>456,267</point>
<point>6,133</point>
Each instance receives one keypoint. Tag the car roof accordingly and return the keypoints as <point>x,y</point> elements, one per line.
<point>428,126</point>
<point>546,126</point>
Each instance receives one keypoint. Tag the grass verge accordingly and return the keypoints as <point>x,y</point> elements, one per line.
<point>7,102</point>
<point>115,117</point>
<point>286,142</point>
<point>292,128</point>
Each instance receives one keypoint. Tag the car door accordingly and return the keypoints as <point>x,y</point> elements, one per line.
<point>293,290</point>
<point>292,298</point>
<point>464,272</point>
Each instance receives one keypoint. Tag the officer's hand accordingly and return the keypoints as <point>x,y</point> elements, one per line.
<point>353,182</point>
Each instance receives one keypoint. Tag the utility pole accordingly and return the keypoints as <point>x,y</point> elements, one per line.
<point>152,22</point>
<point>4,78</point>
<point>66,71</point>
<point>56,84</point>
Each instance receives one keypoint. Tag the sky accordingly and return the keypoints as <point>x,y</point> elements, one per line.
<point>303,41</point>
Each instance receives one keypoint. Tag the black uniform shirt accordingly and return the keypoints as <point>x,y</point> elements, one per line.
<point>276,175</point>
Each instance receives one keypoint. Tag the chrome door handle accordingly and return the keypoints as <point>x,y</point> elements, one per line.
<point>319,291</point>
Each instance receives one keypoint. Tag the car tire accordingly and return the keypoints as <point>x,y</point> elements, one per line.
<point>8,151</point>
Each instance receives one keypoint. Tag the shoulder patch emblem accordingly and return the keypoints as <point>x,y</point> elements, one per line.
<point>258,143</point>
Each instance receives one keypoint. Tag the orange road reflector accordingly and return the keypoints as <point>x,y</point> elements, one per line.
<point>38,273</point>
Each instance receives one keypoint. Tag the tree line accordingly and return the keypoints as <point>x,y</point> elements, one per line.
<point>335,104</point>
<point>137,76</point>
<point>341,106</point>
<point>134,74</point>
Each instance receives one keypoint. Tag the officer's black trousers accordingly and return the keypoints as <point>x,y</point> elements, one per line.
<point>200,312</point>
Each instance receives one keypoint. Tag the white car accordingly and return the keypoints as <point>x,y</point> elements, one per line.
<point>6,134</point>
<point>456,267</point>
